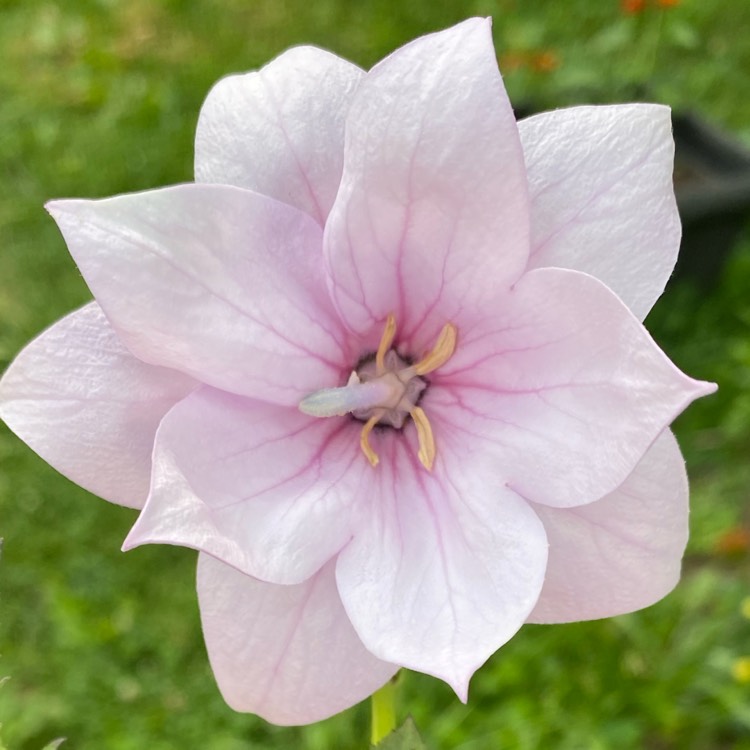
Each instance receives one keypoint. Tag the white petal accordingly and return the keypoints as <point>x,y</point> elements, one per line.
<point>431,221</point>
<point>218,282</point>
<point>620,553</point>
<point>263,487</point>
<point>287,653</point>
<point>280,131</point>
<point>445,566</point>
<point>602,199</point>
<point>88,407</point>
<point>566,389</point>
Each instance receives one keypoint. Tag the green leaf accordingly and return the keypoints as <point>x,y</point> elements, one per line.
<point>405,738</point>
<point>54,744</point>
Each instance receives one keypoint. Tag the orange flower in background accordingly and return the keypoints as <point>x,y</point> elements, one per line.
<point>545,62</point>
<point>632,6</point>
<point>735,541</point>
<point>510,61</point>
<point>542,61</point>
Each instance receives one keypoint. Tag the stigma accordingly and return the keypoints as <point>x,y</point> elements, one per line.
<point>386,390</point>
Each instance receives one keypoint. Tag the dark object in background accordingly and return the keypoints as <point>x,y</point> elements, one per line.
<point>712,183</point>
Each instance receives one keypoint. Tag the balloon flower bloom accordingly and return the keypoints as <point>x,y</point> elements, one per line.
<point>383,365</point>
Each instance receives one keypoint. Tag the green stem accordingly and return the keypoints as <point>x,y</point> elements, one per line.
<point>383,712</point>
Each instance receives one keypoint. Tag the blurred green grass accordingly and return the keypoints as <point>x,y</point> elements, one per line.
<point>100,97</point>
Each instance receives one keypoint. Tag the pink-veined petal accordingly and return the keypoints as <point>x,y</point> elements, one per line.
<point>88,407</point>
<point>262,487</point>
<point>431,221</point>
<point>287,653</point>
<point>280,130</point>
<point>602,199</point>
<point>620,553</point>
<point>218,282</point>
<point>445,565</point>
<point>566,388</point>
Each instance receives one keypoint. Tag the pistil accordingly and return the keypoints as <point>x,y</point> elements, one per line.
<point>386,391</point>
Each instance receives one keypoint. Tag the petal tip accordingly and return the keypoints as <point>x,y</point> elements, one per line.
<point>53,207</point>
<point>461,689</point>
<point>479,23</point>
<point>60,207</point>
<point>56,206</point>
<point>135,538</point>
<point>704,388</point>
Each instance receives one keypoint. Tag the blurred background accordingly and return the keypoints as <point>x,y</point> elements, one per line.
<point>100,97</point>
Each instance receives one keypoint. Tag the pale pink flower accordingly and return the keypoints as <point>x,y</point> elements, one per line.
<point>525,472</point>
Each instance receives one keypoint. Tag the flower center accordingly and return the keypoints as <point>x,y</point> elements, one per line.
<point>385,389</point>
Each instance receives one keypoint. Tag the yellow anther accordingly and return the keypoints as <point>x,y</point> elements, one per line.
<point>385,343</point>
<point>364,438</point>
<point>399,392</point>
<point>426,451</point>
<point>441,352</point>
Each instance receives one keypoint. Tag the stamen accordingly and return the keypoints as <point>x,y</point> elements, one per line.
<point>441,352</point>
<point>364,438</point>
<point>426,439</point>
<point>385,390</point>
<point>385,343</point>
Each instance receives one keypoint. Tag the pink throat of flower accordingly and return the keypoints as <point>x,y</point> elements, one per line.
<point>385,389</point>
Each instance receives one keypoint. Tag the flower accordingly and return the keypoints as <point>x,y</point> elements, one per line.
<point>383,365</point>
<point>546,61</point>
<point>632,6</point>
